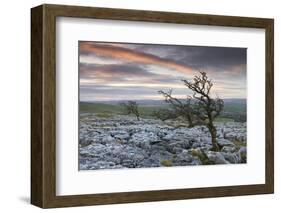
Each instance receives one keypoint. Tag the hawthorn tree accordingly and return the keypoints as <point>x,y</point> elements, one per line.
<point>198,109</point>
<point>179,107</point>
<point>205,108</point>
<point>131,107</point>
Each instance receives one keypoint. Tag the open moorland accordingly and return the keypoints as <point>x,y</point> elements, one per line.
<point>110,138</point>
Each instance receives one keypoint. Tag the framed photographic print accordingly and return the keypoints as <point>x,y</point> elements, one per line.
<point>136,106</point>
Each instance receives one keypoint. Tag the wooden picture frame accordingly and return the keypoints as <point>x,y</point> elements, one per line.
<point>43,105</point>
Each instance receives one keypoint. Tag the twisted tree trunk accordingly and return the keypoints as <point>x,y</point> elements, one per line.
<point>213,132</point>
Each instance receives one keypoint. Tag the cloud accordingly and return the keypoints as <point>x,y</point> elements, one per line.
<point>123,74</point>
<point>198,57</point>
<point>91,59</point>
<point>126,71</point>
<point>100,92</point>
<point>112,70</point>
<point>125,54</point>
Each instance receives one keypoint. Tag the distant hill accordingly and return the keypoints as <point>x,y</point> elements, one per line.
<point>234,109</point>
<point>115,108</point>
<point>140,102</point>
<point>162,102</point>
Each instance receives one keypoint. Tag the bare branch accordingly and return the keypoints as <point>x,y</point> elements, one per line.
<point>180,108</point>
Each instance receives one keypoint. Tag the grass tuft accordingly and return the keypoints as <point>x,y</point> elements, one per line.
<point>202,157</point>
<point>166,163</point>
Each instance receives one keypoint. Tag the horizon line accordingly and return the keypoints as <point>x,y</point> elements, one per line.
<point>148,100</point>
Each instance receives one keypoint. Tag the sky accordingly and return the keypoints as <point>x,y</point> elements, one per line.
<point>123,71</point>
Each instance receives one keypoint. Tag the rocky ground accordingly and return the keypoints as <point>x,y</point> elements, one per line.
<point>124,142</point>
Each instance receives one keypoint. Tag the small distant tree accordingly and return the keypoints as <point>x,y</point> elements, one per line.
<point>131,107</point>
<point>180,108</point>
<point>165,114</point>
<point>206,109</point>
